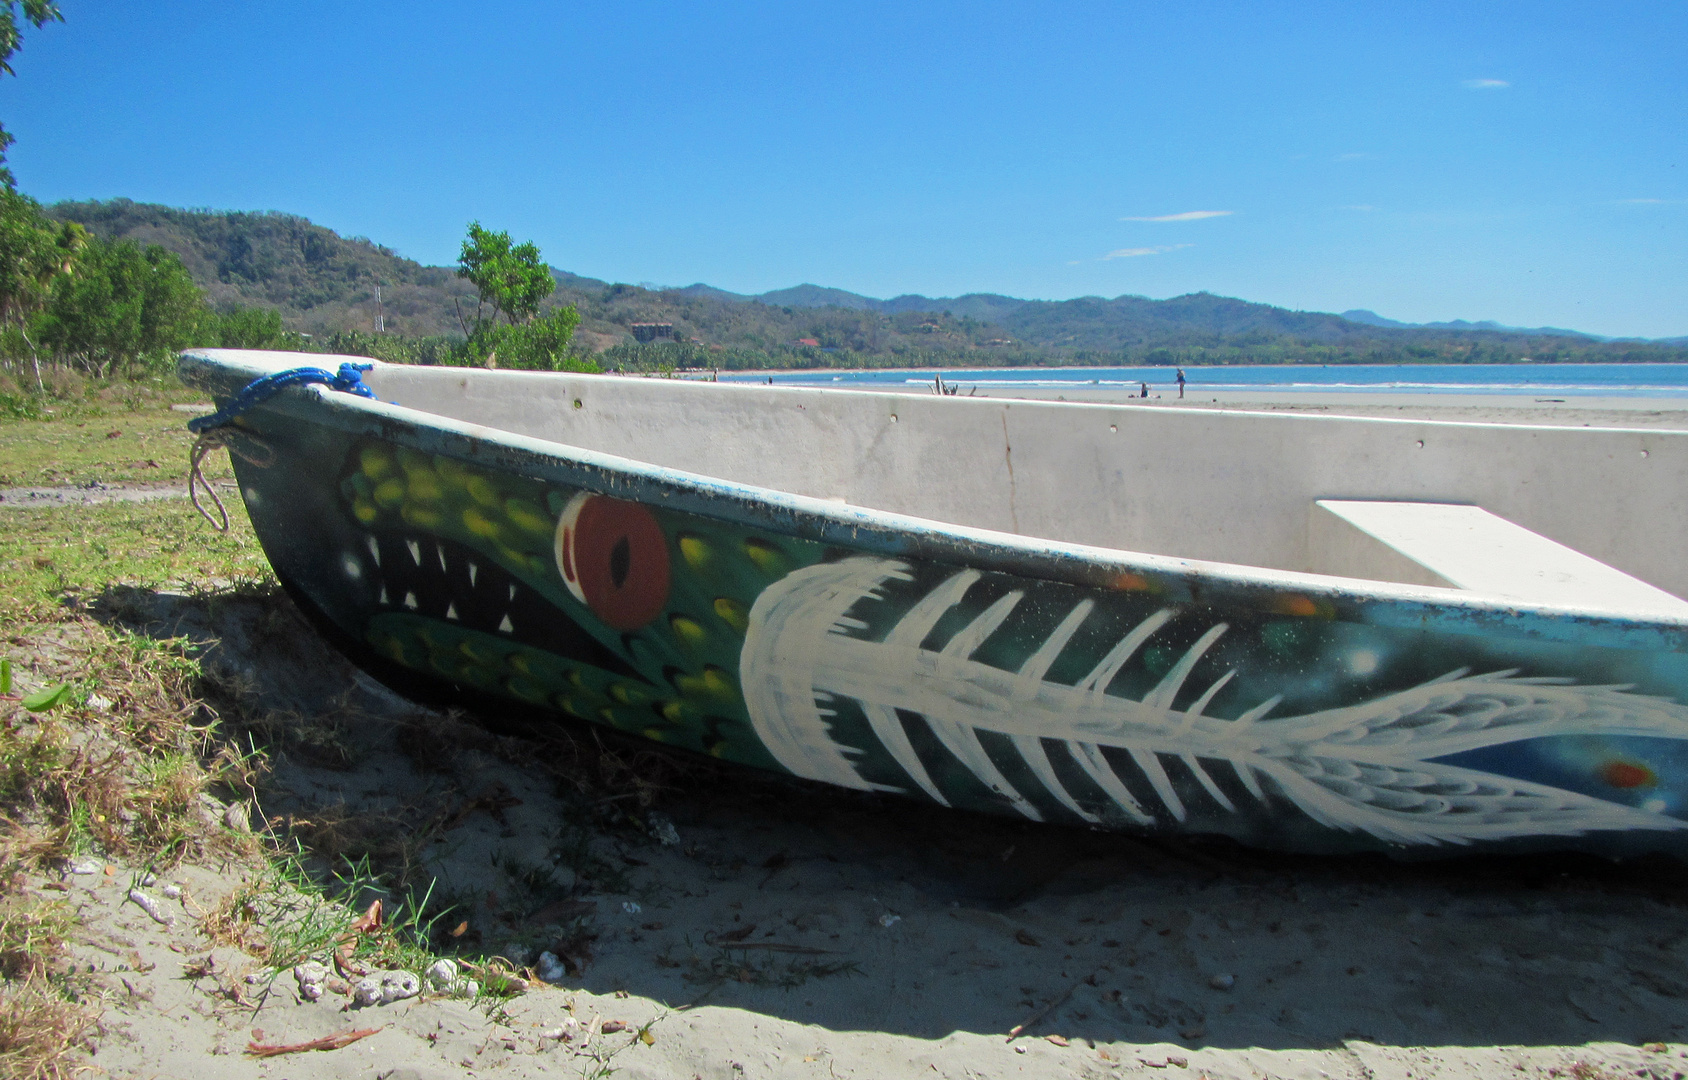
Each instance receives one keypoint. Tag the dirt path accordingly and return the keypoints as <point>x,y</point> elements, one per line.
<point>95,492</point>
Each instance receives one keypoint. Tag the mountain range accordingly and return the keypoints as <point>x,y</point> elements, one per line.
<point>324,284</point>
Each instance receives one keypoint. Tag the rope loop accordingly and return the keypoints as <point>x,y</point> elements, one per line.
<point>348,380</point>
<point>209,441</point>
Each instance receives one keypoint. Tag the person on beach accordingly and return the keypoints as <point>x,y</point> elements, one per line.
<point>1180,384</point>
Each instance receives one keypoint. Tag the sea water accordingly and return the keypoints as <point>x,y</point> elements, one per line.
<point>1543,380</point>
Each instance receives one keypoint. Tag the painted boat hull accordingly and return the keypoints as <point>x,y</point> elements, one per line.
<point>979,670</point>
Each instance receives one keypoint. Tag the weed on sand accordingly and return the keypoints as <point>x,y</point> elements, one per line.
<point>107,748</point>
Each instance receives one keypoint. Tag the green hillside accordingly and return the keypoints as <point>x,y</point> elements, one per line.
<point>323,283</point>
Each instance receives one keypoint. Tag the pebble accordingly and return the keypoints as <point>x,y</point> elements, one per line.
<point>85,866</point>
<point>550,967</point>
<point>386,987</point>
<point>445,977</point>
<point>151,907</point>
<point>311,977</point>
<point>1222,982</point>
<point>888,920</point>
<point>399,985</point>
<point>172,892</point>
<point>630,907</point>
<point>663,829</point>
<point>442,974</point>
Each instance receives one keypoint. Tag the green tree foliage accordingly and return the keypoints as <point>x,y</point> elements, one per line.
<point>541,344</point>
<point>245,328</point>
<point>34,253</point>
<point>125,309</point>
<point>509,279</point>
<point>38,13</point>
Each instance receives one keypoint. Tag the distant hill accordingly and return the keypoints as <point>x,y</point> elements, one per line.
<point>324,283</point>
<point>1372,318</point>
<point>319,280</point>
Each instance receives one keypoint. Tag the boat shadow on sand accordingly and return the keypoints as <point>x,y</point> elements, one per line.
<point>683,880</point>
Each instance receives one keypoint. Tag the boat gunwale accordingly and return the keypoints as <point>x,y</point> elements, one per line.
<point>1379,603</point>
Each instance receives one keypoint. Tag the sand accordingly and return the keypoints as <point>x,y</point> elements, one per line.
<point>792,930</point>
<point>1632,412</point>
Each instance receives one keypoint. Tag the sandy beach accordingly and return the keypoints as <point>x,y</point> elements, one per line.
<point>1578,411</point>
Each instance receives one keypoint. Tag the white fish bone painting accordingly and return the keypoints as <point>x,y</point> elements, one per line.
<point>1371,767</point>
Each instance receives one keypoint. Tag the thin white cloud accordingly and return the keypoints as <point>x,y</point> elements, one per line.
<point>1485,84</point>
<point>1644,202</point>
<point>1188,215</point>
<point>1132,253</point>
<point>1353,156</point>
<point>1363,207</point>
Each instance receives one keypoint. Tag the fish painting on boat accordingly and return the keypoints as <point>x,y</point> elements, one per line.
<point>464,563</point>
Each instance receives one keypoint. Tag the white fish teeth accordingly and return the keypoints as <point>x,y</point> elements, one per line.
<point>410,601</point>
<point>374,549</point>
<point>474,572</point>
<point>415,551</point>
<point>505,625</point>
<point>451,611</point>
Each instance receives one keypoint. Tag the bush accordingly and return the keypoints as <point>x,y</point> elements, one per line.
<point>245,328</point>
<point>123,310</point>
<point>540,344</point>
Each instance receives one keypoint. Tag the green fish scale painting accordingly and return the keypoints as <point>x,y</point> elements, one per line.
<point>1123,697</point>
<point>622,616</point>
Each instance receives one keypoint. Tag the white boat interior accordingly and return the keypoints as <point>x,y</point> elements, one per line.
<point>1575,516</point>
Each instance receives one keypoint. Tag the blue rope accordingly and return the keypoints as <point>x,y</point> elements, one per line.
<point>347,380</point>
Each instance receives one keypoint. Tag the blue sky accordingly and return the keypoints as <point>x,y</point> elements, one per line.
<point>1523,162</point>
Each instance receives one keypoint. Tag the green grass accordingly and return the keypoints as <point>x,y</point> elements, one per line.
<point>49,555</point>
<point>72,442</point>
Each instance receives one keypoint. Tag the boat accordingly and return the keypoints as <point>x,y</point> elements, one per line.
<point>1306,632</point>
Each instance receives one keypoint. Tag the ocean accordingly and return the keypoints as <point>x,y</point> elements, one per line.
<point>1555,380</point>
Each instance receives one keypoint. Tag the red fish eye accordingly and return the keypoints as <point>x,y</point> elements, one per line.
<point>614,558</point>
<point>1627,774</point>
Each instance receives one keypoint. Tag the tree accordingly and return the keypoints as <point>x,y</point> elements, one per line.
<point>124,307</point>
<point>540,344</point>
<point>244,328</point>
<point>35,252</point>
<point>510,279</point>
<point>38,13</point>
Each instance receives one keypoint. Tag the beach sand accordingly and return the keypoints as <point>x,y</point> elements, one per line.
<point>1632,412</point>
<point>786,929</point>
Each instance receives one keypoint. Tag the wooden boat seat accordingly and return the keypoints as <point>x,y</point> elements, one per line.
<point>1467,547</point>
